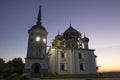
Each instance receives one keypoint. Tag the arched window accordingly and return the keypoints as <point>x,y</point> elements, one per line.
<point>81,67</point>
<point>62,54</point>
<point>62,66</point>
<point>80,56</point>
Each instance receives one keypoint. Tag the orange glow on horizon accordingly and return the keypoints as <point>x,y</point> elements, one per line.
<point>109,69</point>
<point>108,59</point>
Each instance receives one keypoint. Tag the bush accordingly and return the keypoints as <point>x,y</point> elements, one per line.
<point>1,77</point>
<point>26,77</point>
<point>14,76</point>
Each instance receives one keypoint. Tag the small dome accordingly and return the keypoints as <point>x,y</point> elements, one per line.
<point>85,39</point>
<point>59,37</point>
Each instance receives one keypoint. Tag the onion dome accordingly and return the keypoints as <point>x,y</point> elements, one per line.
<point>71,33</point>
<point>85,39</point>
<point>59,37</point>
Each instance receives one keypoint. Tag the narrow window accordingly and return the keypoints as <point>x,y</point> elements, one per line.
<point>81,67</point>
<point>62,54</point>
<point>62,66</point>
<point>80,56</point>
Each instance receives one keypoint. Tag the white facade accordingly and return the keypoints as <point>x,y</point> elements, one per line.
<point>70,54</point>
<point>74,61</point>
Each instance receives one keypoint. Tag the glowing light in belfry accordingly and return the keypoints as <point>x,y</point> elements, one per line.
<point>37,38</point>
<point>44,40</point>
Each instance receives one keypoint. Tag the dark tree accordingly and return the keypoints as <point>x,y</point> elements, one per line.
<point>2,68</point>
<point>2,65</point>
<point>11,70</point>
<point>5,70</point>
<point>17,64</point>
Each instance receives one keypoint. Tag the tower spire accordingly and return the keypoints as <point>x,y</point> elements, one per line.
<point>84,35</point>
<point>39,16</point>
<point>70,23</point>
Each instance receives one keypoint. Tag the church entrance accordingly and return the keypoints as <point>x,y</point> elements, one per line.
<point>36,68</point>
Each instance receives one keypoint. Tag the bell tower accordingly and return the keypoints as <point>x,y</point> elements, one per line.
<point>36,60</point>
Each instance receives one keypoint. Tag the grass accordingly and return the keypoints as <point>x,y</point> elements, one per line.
<point>104,76</point>
<point>69,76</point>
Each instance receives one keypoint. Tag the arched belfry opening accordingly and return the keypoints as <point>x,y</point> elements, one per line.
<point>36,68</point>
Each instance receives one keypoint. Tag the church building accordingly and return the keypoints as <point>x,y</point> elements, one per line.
<point>68,54</point>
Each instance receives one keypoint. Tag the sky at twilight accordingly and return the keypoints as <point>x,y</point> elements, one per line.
<point>98,19</point>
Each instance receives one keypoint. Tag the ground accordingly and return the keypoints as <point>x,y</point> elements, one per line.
<point>82,79</point>
<point>100,76</point>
